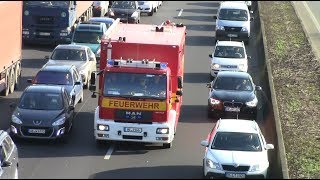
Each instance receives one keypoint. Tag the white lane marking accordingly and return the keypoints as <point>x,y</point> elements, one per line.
<point>109,152</point>
<point>312,16</point>
<point>180,12</point>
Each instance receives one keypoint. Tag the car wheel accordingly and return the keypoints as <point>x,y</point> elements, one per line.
<point>16,173</point>
<point>150,13</point>
<point>167,145</point>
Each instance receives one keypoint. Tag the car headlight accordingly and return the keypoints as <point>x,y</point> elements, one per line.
<point>15,119</point>
<point>134,15</point>
<point>26,13</point>
<point>215,66</point>
<point>103,127</point>
<point>220,28</point>
<point>252,103</point>
<point>259,167</point>
<point>162,131</point>
<point>59,121</point>
<point>63,14</point>
<point>244,29</point>
<point>213,165</point>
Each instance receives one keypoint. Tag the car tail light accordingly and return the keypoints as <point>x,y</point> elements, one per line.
<point>214,101</point>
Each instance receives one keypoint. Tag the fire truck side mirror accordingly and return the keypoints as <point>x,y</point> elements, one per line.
<point>93,78</point>
<point>92,87</point>
<point>179,82</point>
<point>179,93</point>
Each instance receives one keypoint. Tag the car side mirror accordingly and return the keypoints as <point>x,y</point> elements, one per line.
<point>180,82</point>
<point>46,57</point>
<point>251,19</point>
<point>205,143</point>
<point>179,93</point>
<point>77,83</point>
<point>249,57</point>
<point>214,17</point>
<point>269,146</point>
<point>12,105</point>
<point>208,85</point>
<point>258,88</point>
<point>29,80</point>
<point>6,164</point>
<point>210,55</point>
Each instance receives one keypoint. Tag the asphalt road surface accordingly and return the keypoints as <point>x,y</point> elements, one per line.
<point>81,158</point>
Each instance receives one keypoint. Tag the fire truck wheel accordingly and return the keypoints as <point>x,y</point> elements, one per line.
<point>167,145</point>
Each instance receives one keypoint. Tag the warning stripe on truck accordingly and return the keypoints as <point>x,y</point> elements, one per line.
<point>133,105</point>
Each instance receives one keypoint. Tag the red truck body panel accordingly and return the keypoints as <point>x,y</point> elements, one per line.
<point>10,33</point>
<point>143,42</point>
<point>82,6</point>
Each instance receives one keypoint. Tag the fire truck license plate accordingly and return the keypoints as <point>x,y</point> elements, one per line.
<point>132,129</point>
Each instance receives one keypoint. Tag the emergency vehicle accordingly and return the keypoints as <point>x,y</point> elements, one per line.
<point>140,83</point>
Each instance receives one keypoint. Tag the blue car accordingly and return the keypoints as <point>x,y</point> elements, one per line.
<point>105,20</point>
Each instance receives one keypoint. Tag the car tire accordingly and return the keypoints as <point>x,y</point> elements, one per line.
<point>150,13</point>
<point>167,145</point>
<point>16,173</point>
<point>81,98</point>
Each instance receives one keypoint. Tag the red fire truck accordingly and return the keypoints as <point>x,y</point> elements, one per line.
<point>140,83</point>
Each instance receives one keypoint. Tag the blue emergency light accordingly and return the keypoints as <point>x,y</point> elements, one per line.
<point>163,65</point>
<point>110,62</point>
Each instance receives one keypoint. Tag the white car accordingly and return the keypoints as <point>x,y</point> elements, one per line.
<point>248,3</point>
<point>100,8</point>
<point>148,7</point>
<point>228,56</point>
<point>79,55</point>
<point>236,148</point>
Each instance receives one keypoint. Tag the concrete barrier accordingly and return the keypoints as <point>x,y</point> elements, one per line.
<point>278,161</point>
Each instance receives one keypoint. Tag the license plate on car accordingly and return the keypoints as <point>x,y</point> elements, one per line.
<point>232,35</point>
<point>132,129</point>
<point>44,34</point>
<point>232,109</point>
<point>235,175</point>
<point>37,131</point>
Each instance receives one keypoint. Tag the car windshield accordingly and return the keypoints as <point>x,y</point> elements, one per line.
<point>41,101</point>
<point>236,141</point>
<point>87,37</point>
<point>53,77</point>
<point>232,83</point>
<point>69,54</point>
<point>47,3</point>
<point>135,85</point>
<point>229,52</point>
<point>123,4</point>
<point>233,15</point>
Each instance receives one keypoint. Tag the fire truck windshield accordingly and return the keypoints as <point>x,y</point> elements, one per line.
<point>135,85</point>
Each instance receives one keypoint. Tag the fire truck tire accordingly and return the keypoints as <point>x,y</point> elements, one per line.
<point>150,13</point>
<point>167,145</point>
<point>5,92</point>
<point>12,80</point>
<point>18,76</point>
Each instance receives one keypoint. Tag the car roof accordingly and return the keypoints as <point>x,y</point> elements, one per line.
<point>237,125</point>
<point>101,19</point>
<point>44,88</point>
<point>230,43</point>
<point>90,26</point>
<point>57,68</point>
<point>233,74</point>
<point>233,5</point>
<point>71,46</point>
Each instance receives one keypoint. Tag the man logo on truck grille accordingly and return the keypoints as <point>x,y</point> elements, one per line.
<point>133,115</point>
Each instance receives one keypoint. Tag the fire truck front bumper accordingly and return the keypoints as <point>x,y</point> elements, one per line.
<point>105,129</point>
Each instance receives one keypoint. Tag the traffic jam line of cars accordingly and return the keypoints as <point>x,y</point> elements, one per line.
<point>235,148</point>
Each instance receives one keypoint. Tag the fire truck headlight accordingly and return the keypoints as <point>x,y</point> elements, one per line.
<point>103,127</point>
<point>162,131</point>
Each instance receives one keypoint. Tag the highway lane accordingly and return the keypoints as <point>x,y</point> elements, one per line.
<point>81,158</point>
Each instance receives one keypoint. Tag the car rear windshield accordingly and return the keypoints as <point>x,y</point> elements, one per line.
<point>87,37</point>
<point>53,77</point>
<point>236,141</point>
<point>233,15</point>
<point>69,54</point>
<point>41,101</point>
<point>229,52</point>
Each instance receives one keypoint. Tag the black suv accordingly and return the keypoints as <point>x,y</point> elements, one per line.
<point>233,94</point>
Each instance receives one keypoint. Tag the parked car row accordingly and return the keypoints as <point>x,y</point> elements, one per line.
<point>235,147</point>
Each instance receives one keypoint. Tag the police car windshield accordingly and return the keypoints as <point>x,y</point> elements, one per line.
<point>53,77</point>
<point>229,52</point>
<point>233,15</point>
<point>41,101</point>
<point>69,54</point>
<point>236,141</point>
<point>135,85</point>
